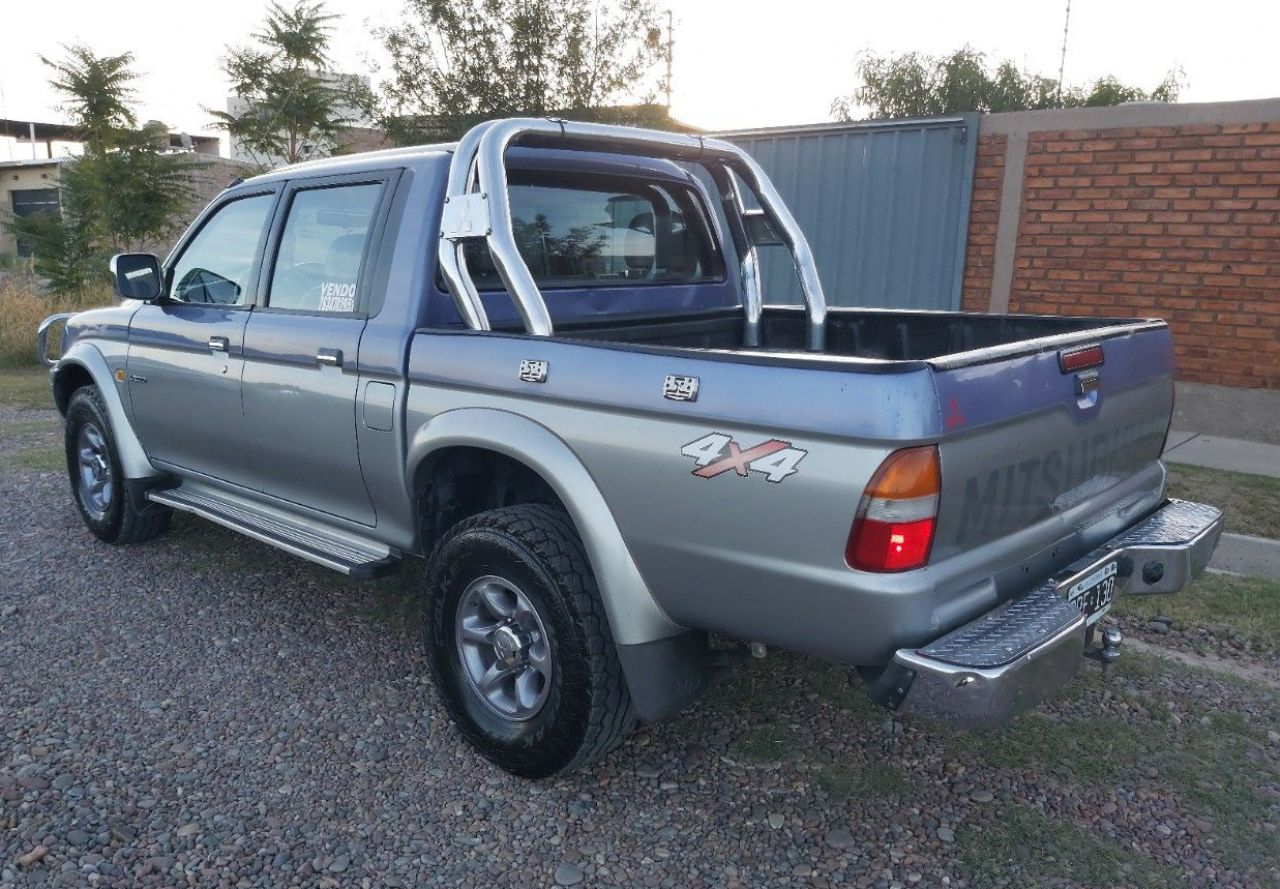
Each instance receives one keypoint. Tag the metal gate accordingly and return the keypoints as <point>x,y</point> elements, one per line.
<point>884,204</point>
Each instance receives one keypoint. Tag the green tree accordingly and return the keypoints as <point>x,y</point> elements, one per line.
<point>920,85</point>
<point>294,105</point>
<point>457,62</point>
<point>122,192</point>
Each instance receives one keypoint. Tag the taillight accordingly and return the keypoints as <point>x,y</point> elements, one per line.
<point>893,528</point>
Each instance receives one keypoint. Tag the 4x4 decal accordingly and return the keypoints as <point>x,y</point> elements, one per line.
<point>717,453</point>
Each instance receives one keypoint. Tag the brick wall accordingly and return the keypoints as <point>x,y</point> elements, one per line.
<point>984,218</point>
<point>1178,223</point>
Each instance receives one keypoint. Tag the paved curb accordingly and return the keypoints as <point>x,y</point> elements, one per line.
<point>1252,556</point>
<point>1230,454</point>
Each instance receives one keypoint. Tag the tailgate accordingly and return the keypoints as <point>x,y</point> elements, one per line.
<point>1035,440</point>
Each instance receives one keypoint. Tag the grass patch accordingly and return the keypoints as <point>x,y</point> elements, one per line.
<point>1219,771</point>
<point>26,387</point>
<point>20,428</point>
<point>1096,749</point>
<point>392,600</point>
<point>45,459</point>
<point>768,742</point>
<point>1250,503</point>
<point>779,742</point>
<point>868,780</point>
<point>1224,604</point>
<point>397,600</point>
<point>763,690</point>
<point>1024,846</point>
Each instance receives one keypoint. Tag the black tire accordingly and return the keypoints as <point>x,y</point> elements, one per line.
<point>115,519</point>
<point>587,710</point>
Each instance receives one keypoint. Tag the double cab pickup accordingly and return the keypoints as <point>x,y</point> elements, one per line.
<point>541,360</point>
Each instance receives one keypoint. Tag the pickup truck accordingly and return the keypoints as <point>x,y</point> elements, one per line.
<point>540,359</point>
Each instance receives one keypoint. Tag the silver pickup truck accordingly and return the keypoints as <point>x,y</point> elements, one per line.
<point>540,359</point>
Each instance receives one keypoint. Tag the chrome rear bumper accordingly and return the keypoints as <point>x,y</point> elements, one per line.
<point>1027,648</point>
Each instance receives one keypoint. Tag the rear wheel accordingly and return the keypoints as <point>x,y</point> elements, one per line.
<point>519,644</point>
<point>97,482</point>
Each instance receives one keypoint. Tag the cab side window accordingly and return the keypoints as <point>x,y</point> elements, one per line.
<point>216,266</point>
<point>322,248</point>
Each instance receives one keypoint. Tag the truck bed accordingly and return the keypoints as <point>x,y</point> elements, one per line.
<point>944,339</point>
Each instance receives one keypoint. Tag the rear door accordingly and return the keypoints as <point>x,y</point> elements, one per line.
<point>302,343</point>
<point>186,352</point>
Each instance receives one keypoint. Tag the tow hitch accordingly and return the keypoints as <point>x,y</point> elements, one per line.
<point>1107,649</point>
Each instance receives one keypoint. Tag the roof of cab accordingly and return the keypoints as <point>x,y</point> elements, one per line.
<point>520,158</point>
<point>366,160</point>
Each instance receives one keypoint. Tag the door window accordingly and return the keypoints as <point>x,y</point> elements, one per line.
<point>217,264</point>
<point>322,248</point>
<point>33,202</point>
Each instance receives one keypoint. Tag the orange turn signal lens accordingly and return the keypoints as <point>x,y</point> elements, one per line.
<point>913,472</point>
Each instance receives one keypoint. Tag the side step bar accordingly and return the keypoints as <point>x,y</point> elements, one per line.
<point>357,557</point>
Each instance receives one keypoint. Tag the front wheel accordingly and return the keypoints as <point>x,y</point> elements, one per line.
<point>519,644</point>
<point>97,482</point>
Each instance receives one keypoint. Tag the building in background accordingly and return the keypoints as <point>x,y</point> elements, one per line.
<point>29,181</point>
<point>359,134</point>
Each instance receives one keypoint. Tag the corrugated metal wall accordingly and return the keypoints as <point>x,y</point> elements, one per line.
<point>885,206</point>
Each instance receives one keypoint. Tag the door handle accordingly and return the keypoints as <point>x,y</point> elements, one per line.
<point>219,344</point>
<point>331,357</point>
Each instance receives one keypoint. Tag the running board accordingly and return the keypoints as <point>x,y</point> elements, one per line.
<point>353,555</point>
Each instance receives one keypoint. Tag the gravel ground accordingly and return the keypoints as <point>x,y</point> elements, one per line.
<point>1204,642</point>
<point>201,711</point>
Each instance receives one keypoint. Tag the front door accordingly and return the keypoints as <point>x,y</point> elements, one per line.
<point>301,348</point>
<point>186,351</point>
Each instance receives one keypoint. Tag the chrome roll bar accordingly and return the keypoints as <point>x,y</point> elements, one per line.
<point>477,206</point>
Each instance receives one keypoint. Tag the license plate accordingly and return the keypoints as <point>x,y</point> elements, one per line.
<point>1094,594</point>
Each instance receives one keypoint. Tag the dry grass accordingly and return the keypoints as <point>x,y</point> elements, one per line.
<point>21,311</point>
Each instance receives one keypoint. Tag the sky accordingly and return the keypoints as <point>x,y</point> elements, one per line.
<point>738,63</point>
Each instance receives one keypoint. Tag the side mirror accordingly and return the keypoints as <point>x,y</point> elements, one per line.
<point>137,276</point>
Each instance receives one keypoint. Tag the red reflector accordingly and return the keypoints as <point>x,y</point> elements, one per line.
<point>1080,359</point>
<point>889,546</point>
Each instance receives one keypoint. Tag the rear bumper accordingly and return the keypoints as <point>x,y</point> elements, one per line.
<point>1027,648</point>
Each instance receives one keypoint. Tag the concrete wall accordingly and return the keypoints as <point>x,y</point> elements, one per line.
<point>1168,211</point>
